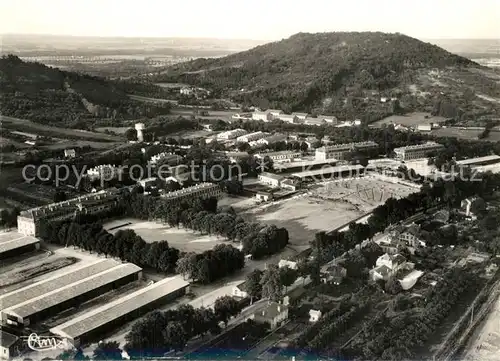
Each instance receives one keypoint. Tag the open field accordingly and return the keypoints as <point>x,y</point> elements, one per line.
<point>411,119</point>
<point>183,239</point>
<point>117,130</point>
<point>32,127</point>
<point>80,143</point>
<point>191,134</point>
<point>457,133</point>
<point>326,207</point>
<point>212,114</point>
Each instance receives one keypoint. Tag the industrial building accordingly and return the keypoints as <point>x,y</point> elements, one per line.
<point>202,190</point>
<point>165,158</point>
<point>9,345</point>
<point>417,151</point>
<point>90,326</point>
<point>303,165</point>
<point>331,172</point>
<point>28,222</point>
<point>283,156</point>
<point>251,137</point>
<point>15,244</point>
<point>54,283</point>
<point>38,308</point>
<point>487,160</point>
<point>340,151</point>
<point>231,134</point>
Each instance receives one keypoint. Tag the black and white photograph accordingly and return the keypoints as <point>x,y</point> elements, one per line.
<point>249,180</point>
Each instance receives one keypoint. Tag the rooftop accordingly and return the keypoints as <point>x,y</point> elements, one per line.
<point>367,144</point>
<point>103,315</point>
<point>302,164</point>
<point>7,339</point>
<point>419,146</point>
<point>487,158</point>
<point>48,285</point>
<point>11,244</point>
<point>68,292</point>
<point>329,170</point>
<point>190,190</point>
<point>271,175</point>
<point>272,310</point>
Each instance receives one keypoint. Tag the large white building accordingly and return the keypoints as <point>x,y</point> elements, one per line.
<point>417,151</point>
<point>106,171</point>
<point>28,222</point>
<point>164,156</point>
<point>264,116</point>
<point>289,118</point>
<point>270,179</point>
<point>284,156</point>
<point>251,137</point>
<point>202,190</point>
<point>231,134</point>
<point>339,151</point>
<point>301,116</point>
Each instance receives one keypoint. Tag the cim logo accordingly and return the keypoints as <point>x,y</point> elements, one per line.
<point>46,343</point>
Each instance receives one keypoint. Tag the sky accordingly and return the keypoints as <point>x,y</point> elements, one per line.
<point>250,19</point>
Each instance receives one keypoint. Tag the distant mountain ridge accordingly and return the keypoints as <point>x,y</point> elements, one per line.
<point>322,70</point>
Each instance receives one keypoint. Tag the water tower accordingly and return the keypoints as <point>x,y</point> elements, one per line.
<point>139,127</point>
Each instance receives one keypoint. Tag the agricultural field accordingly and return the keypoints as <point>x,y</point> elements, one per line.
<point>411,119</point>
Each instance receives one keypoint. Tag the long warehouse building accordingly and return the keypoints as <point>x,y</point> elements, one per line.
<point>76,293</point>
<point>15,244</point>
<point>91,325</point>
<point>54,283</point>
<point>328,173</point>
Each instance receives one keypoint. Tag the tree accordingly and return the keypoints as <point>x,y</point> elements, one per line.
<point>478,207</point>
<point>272,287</point>
<point>131,134</point>
<point>175,336</point>
<point>107,351</point>
<point>287,276</point>
<point>225,307</point>
<point>252,284</point>
<point>393,286</point>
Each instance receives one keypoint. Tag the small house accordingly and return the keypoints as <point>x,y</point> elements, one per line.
<point>274,314</point>
<point>314,315</point>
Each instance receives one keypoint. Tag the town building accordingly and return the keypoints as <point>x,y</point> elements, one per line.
<point>231,134</point>
<point>264,116</point>
<point>424,127</point>
<point>301,116</point>
<point>147,182</point>
<point>69,153</point>
<point>388,265</point>
<point>279,157</point>
<point>104,171</point>
<point>251,137</point>
<point>165,158</point>
<point>240,290</point>
<point>46,305</point>
<point>340,151</point>
<point>315,121</point>
<point>330,119</point>
<point>286,263</point>
<point>290,184</point>
<point>186,91</point>
<point>48,285</point>
<point>473,162</point>
<point>273,139</point>
<point>411,237</point>
<point>270,179</point>
<point>283,167</point>
<point>202,190</point>
<point>289,118</point>
<point>9,345</point>
<point>235,157</point>
<point>349,171</point>
<point>28,222</point>
<point>333,274</point>
<point>91,325</point>
<point>274,314</point>
<point>417,151</point>
<point>466,206</point>
<point>314,315</point>
<point>14,244</point>
<point>275,113</point>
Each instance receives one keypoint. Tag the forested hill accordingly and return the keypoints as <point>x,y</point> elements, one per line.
<point>48,95</point>
<point>311,70</point>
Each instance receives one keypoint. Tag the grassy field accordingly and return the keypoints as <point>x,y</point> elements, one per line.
<point>35,128</point>
<point>410,119</point>
<point>457,133</point>
<point>183,239</point>
<point>117,130</point>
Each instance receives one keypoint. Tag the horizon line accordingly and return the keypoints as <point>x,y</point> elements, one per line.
<point>222,38</point>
